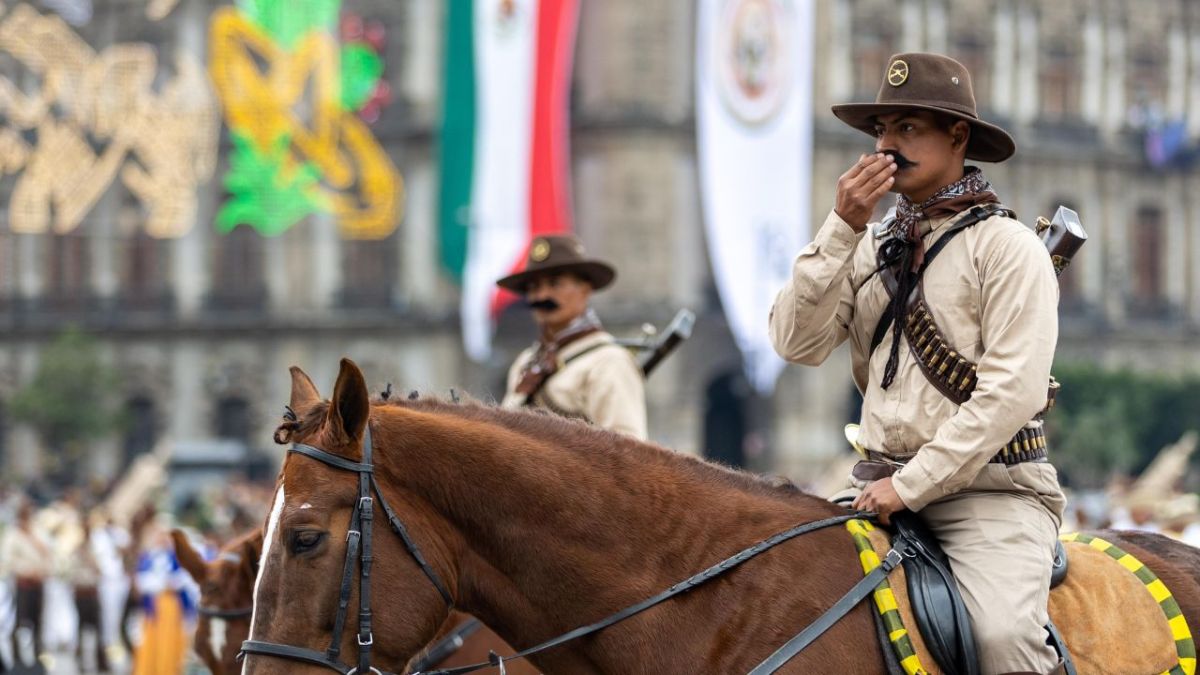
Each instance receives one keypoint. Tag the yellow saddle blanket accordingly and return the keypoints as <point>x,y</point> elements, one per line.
<point>1114,614</point>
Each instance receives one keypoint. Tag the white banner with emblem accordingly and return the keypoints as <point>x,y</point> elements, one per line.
<point>754,71</point>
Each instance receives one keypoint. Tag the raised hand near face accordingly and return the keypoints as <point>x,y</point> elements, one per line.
<point>861,188</point>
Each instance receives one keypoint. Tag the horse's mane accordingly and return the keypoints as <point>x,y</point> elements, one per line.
<point>570,435</point>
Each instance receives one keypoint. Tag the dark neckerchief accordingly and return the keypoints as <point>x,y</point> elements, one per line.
<point>970,190</point>
<point>545,361</point>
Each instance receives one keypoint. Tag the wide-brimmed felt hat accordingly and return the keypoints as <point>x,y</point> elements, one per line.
<point>556,254</point>
<point>921,81</point>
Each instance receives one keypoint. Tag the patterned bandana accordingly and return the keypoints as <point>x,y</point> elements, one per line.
<point>545,360</point>
<point>970,190</point>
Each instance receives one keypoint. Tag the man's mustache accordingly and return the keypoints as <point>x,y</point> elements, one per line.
<point>547,305</point>
<point>902,162</point>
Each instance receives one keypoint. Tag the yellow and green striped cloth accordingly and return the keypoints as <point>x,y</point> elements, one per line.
<point>1179,627</point>
<point>885,600</point>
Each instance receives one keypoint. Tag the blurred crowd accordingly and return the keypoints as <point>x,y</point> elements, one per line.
<point>94,579</point>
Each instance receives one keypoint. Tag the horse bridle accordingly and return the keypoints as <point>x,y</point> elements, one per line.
<point>358,539</point>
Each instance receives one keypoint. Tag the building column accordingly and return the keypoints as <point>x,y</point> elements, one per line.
<point>836,73</point>
<point>1025,100</point>
<point>190,265</point>
<point>1092,91</point>
<point>101,233</point>
<point>1177,73</point>
<point>1003,57</point>
<point>1090,265</point>
<point>1193,78</point>
<point>421,79</point>
<point>31,263</point>
<point>1176,242</point>
<point>187,417</point>
<point>1115,113</point>
<point>1116,246</point>
<point>326,252</point>
<point>913,33</point>
<point>935,20</point>
<point>416,280</point>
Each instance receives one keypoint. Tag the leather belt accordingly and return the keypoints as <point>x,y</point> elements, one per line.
<point>1029,445</point>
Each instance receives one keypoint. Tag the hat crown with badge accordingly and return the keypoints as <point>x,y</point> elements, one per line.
<point>924,81</point>
<point>560,253</point>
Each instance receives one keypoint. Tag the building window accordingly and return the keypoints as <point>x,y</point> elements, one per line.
<point>233,419</point>
<point>237,281</point>
<point>141,432</point>
<point>67,271</point>
<point>973,50</point>
<point>368,271</point>
<point>874,41</point>
<point>1146,86</point>
<point>144,272</point>
<point>1059,83</point>
<point>1147,246</point>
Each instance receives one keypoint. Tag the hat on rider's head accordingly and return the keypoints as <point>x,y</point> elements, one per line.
<point>556,254</point>
<point>922,81</point>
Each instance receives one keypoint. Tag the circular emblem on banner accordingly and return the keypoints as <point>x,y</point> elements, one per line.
<point>753,58</point>
<point>539,251</point>
<point>898,73</point>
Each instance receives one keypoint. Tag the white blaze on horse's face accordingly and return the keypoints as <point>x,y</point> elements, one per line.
<point>268,539</point>
<point>217,629</point>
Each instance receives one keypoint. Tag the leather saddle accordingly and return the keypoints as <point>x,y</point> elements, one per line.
<point>941,615</point>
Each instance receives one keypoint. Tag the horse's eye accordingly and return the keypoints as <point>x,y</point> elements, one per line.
<point>306,540</point>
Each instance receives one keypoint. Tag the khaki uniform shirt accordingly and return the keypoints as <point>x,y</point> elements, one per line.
<point>994,295</point>
<point>24,555</point>
<point>603,386</point>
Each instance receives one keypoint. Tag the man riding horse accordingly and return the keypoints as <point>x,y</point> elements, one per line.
<point>952,356</point>
<point>576,369</point>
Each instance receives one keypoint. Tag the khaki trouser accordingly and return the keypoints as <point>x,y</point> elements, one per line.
<point>1000,538</point>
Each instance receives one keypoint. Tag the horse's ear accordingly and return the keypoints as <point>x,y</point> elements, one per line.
<point>304,392</point>
<point>188,558</point>
<point>351,403</point>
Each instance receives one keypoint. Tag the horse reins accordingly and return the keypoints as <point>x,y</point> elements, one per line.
<point>359,542</point>
<point>215,613</point>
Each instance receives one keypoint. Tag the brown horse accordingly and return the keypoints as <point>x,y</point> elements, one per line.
<point>538,525</point>
<point>227,594</point>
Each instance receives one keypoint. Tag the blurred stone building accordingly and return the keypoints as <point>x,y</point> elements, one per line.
<point>1103,98</point>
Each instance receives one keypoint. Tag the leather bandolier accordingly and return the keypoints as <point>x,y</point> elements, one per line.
<point>947,370</point>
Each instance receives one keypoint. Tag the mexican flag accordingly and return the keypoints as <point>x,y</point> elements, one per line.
<point>504,145</point>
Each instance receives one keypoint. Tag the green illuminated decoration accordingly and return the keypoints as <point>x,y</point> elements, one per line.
<point>270,59</point>
<point>288,21</point>
<point>267,194</point>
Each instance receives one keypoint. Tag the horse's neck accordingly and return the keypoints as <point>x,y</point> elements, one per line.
<point>552,538</point>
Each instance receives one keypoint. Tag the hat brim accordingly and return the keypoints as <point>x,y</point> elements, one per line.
<point>989,143</point>
<point>597,273</point>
